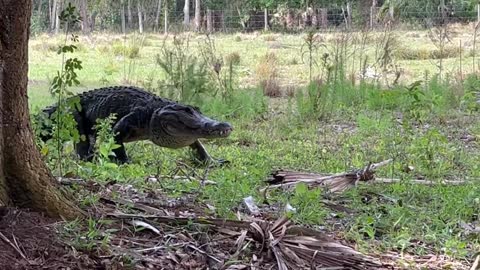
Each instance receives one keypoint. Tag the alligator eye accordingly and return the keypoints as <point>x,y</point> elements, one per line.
<point>189,110</point>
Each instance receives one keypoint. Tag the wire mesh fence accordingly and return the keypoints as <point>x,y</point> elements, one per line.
<point>117,18</point>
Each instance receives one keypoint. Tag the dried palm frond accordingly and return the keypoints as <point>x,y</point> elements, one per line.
<point>294,251</point>
<point>334,183</point>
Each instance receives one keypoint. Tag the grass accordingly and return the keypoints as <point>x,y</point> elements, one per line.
<point>365,123</point>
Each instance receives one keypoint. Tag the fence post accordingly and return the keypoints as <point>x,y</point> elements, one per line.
<point>265,19</point>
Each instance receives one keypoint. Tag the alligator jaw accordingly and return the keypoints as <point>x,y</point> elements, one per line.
<point>215,129</point>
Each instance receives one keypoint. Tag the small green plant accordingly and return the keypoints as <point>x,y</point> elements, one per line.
<point>307,204</point>
<point>186,75</point>
<point>65,129</point>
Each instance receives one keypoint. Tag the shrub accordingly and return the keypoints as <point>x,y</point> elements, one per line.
<point>293,61</point>
<point>238,38</point>
<point>425,53</point>
<point>232,58</point>
<point>290,90</point>
<point>271,88</point>
<point>269,38</point>
<point>267,67</point>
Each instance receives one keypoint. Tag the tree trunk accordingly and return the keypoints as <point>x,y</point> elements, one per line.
<point>39,10</point>
<point>186,14</point>
<point>209,21</point>
<point>348,19</point>
<point>373,13</point>
<point>198,16</point>
<point>323,18</point>
<point>84,15</point>
<point>290,19</point>
<point>140,17</point>
<point>53,11</point>
<point>122,16</point>
<point>24,178</point>
<point>58,10</point>
<point>265,19</point>
<point>129,13</point>
<point>157,16</point>
<point>222,20</point>
<point>165,31</point>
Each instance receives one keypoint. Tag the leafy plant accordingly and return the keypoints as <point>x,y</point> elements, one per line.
<point>65,125</point>
<point>186,75</point>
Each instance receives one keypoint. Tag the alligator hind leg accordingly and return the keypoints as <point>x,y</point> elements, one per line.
<point>203,155</point>
<point>83,150</point>
<point>84,147</point>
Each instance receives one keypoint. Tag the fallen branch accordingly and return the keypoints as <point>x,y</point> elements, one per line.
<point>334,183</point>
<point>420,181</point>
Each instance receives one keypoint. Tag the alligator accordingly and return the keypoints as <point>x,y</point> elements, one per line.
<point>141,115</point>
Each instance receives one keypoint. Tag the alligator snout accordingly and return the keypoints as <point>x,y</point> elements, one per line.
<point>222,129</point>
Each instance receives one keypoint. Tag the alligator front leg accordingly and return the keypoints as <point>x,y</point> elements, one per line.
<point>203,155</point>
<point>123,130</point>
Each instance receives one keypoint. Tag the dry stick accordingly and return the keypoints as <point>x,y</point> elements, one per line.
<point>418,181</point>
<point>475,264</point>
<point>4,238</point>
<point>368,168</point>
<point>184,220</point>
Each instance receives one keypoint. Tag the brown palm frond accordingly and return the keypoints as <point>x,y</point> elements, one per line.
<point>334,183</point>
<point>293,251</point>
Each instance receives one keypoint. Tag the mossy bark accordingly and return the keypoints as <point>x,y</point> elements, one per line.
<point>25,180</point>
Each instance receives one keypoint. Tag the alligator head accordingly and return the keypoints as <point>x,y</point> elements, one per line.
<point>177,125</point>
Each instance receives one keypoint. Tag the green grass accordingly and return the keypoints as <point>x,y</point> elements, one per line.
<point>365,124</point>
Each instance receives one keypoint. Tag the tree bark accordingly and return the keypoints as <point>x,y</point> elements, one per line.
<point>140,17</point>
<point>198,16</point>
<point>209,21</point>
<point>24,178</point>
<point>186,14</point>
<point>157,16</point>
<point>84,15</point>
<point>122,16</point>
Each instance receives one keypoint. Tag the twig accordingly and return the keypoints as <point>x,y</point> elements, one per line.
<point>204,253</point>
<point>421,182</point>
<point>475,263</point>
<point>185,220</point>
<point>4,238</point>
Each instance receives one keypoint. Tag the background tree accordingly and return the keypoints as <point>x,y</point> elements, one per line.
<point>25,180</point>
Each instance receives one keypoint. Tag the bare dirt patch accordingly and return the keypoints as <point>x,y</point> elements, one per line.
<point>28,240</point>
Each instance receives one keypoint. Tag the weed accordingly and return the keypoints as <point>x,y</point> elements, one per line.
<point>269,38</point>
<point>187,75</point>
<point>306,203</point>
<point>271,88</point>
<point>232,59</point>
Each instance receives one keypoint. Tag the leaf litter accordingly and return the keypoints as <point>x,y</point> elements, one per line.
<point>150,230</point>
